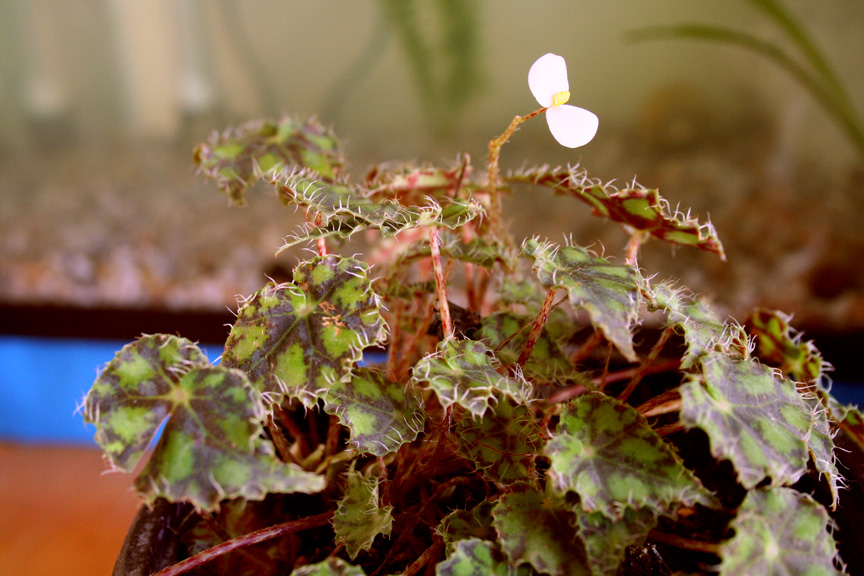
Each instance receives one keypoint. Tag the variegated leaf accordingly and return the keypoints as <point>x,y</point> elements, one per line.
<point>779,532</point>
<point>753,418</point>
<point>239,157</point>
<point>300,338</point>
<point>464,372</point>
<point>381,415</point>
<point>605,452</point>
<point>609,293</point>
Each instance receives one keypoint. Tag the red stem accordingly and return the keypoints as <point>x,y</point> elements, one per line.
<point>440,284</point>
<point>243,541</point>
<point>537,329</point>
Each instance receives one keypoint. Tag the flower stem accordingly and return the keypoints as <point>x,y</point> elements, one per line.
<point>440,284</point>
<point>494,154</point>
<point>243,541</point>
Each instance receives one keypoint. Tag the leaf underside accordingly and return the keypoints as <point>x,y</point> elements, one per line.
<point>360,517</point>
<point>635,207</point>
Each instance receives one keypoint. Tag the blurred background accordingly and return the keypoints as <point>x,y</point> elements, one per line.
<point>106,231</point>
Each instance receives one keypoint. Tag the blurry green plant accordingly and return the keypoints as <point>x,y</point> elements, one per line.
<point>524,431</point>
<point>815,73</point>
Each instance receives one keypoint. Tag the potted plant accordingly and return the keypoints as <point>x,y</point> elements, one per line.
<point>571,415</point>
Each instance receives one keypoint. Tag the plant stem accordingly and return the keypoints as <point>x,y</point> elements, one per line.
<point>440,284</point>
<point>429,555</point>
<point>632,251</point>
<point>494,154</point>
<point>665,403</point>
<point>587,348</point>
<point>684,543</point>
<point>256,537</point>
<point>537,329</point>
<point>643,368</point>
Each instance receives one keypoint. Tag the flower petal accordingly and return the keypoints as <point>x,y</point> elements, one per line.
<point>571,126</point>
<point>547,77</point>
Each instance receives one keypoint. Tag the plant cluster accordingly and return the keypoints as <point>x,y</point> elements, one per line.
<point>570,415</point>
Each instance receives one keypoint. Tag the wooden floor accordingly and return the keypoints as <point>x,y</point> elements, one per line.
<point>59,513</point>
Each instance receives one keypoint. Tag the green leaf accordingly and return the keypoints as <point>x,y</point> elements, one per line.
<point>345,210</point>
<point>605,451</point>
<point>133,394</point>
<point>778,532</point>
<point>299,338</point>
<point>752,417</point>
<point>475,557</point>
<point>606,541</point>
<point>238,158</point>
<point>381,415</point>
<point>609,293</point>
<point>538,529</point>
<point>547,362</point>
<point>360,517</point>
<point>703,331</point>
<point>332,566</point>
<point>465,525</point>
<point>478,250</point>
<point>780,345</point>
<point>210,448</point>
<point>464,372</point>
<point>635,207</point>
<point>503,444</point>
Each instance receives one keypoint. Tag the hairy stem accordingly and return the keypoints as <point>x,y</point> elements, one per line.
<point>256,537</point>
<point>440,284</point>
<point>649,360</point>
<point>537,329</point>
<point>494,154</point>
<point>587,348</point>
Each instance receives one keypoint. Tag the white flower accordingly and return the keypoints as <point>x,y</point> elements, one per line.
<point>571,126</point>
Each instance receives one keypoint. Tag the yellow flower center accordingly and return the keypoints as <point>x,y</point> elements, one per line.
<point>561,98</point>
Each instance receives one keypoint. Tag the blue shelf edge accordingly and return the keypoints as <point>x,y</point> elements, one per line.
<point>44,380</point>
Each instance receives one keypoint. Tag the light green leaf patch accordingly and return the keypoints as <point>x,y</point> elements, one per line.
<point>468,524</point>
<point>360,518</point>
<point>239,157</point>
<point>605,451</point>
<point>475,557</point>
<point>210,448</point>
<point>464,372</point>
<point>332,566</point>
<point>299,338</point>
<point>381,415</point>
<point>779,531</point>
<point>610,294</point>
<point>606,541</point>
<point>537,529</point>
<point>753,418</point>
<point>502,444</point>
